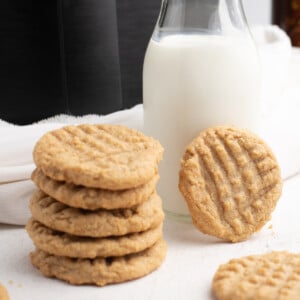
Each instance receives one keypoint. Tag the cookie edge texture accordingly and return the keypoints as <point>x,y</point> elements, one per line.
<point>93,198</point>
<point>100,271</point>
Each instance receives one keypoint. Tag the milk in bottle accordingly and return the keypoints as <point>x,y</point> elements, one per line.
<point>192,80</point>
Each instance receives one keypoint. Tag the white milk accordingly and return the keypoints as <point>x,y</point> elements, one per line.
<point>192,82</point>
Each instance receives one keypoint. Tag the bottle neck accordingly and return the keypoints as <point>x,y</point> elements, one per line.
<point>214,16</point>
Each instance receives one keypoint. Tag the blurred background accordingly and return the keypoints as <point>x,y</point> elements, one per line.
<point>258,11</point>
<point>80,56</point>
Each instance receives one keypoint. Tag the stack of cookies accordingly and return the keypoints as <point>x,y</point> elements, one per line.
<point>96,217</point>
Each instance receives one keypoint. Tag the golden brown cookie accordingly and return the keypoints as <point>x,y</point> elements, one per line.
<point>63,244</point>
<point>98,223</point>
<point>231,182</point>
<point>93,198</point>
<point>110,157</point>
<point>100,271</point>
<point>3,293</point>
<point>260,277</point>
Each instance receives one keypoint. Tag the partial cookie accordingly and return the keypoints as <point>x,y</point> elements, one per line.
<point>100,271</point>
<point>93,198</point>
<point>3,293</point>
<point>231,182</point>
<point>63,244</point>
<point>261,277</point>
<point>110,157</point>
<point>99,223</point>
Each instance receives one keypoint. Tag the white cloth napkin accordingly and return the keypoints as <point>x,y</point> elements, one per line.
<point>16,162</point>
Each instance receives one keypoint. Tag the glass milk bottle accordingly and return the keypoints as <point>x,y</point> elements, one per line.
<point>201,69</point>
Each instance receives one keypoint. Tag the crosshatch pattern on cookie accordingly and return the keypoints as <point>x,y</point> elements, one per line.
<point>270,276</point>
<point>111,157</point>
<point>231,182</point>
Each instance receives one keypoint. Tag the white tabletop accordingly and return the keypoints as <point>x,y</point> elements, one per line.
<point>187,272</point>
<point>191,260</point>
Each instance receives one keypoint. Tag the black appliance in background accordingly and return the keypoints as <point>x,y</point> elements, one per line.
<point>72,56</point>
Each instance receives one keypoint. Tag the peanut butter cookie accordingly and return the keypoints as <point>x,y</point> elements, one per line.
<point>110,157</point>
<point>231,182</point>
<point>93,198</point>
<point>100,271</point>
<point>271,276</point>
<point>63,244</point>
<point>98,223</point>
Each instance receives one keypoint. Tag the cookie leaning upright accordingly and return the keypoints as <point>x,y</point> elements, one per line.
<point>231,182</point>
<point>110,157</point>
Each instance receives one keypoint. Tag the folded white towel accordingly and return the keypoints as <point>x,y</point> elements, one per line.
<point>16,162</point>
